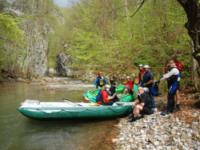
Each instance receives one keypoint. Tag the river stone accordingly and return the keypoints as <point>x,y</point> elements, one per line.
<point>157,132</point>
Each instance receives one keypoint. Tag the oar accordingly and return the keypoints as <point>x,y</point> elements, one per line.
<point>70,101</point>
<point>67,100</point>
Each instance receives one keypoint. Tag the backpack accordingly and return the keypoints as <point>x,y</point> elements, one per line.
<point>154,90</point>
<point>179,66</point>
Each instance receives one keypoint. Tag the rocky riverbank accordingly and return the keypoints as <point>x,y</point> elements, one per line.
<point>158,132</point>
<point>180,130</point>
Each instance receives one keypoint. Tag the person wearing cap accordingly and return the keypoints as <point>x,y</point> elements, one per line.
<point>172,77</point>
<point>104,97</point>
<point>142,106</point>
<point>148,81</point>
<point>141,72</point>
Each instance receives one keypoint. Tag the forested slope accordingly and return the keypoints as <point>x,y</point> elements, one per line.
<point>107,35</point>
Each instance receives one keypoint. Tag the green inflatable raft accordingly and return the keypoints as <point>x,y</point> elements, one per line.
<point>68,110</point>
<point>91,95</point>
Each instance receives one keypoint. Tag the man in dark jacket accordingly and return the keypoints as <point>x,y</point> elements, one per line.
<point>148,81</point>
<point>143,106</point>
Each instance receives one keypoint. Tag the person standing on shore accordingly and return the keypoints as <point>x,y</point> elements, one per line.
<point>148,81</point>
<point>172,77</point>
<point>179,66</point>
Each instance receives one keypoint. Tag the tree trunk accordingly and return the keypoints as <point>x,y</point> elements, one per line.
<point>192,9</point>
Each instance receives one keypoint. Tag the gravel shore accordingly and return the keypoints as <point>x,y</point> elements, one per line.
<point>159,133</point>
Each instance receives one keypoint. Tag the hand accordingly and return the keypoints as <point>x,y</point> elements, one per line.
<point>157,82</point>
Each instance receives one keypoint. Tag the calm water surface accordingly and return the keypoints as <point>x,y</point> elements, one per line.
<point>20,133</point>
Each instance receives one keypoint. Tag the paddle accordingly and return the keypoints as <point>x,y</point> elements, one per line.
<point>67,100</point>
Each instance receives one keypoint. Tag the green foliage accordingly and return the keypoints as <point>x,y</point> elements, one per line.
<point>101,34</point>
<point>11,42</point>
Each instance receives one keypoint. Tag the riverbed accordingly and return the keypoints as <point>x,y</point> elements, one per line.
<point>19,132</point>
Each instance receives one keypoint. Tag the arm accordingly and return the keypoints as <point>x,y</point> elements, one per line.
<point>96,82</point>
<point>170,73</point>
<point>149,82</point>
<point>136,102</point>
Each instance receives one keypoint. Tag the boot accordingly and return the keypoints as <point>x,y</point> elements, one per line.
<point>130,115</point>
<point>131,118</point>
<point>178,107</point>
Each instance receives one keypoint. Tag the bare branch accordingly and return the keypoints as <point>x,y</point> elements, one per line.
<point>139,7</point>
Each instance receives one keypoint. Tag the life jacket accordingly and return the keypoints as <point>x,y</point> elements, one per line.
<point>99,98</point>
<point>101,82</point>
<point>173,83</point>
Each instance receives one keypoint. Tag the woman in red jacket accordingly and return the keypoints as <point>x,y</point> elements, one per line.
<point>104,97</point>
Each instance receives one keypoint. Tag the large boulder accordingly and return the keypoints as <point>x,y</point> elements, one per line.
<point>62,61</point>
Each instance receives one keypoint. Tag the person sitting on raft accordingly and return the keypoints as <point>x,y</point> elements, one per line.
<point>113,85</point>
<point>129,83</point>
<point>104,97</point>
<point>143,106</point>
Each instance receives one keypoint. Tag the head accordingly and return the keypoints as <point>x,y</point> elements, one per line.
<point>107,87</point>
<point>112,82</point>
<point>140,66</point>
<point>126,90</point>
<point>99,74</point>
<point>146,67</point>
<point>128,78</point>
<point>172,64</point>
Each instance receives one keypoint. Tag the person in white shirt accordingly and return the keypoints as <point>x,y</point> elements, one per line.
<point>172,76</point>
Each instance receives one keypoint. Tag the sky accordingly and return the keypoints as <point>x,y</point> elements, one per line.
<point>64,3</point>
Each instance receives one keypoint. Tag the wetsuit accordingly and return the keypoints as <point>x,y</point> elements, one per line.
<point>172,76</point>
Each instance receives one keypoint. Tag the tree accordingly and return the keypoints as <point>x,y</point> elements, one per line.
<point>192,10</point>
<point>11,42</point>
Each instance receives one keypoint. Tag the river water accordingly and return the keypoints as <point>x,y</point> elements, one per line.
<point>20,133</point>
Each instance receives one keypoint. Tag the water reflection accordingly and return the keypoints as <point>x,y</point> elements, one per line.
<point>19,132</point>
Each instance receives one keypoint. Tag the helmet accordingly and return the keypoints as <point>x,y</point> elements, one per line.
<point>140,65</point>
<point>146,66</point>
<point>107,86</point>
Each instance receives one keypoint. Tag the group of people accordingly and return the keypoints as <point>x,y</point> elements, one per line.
<point>107,93</point>
<point>146,91</point>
